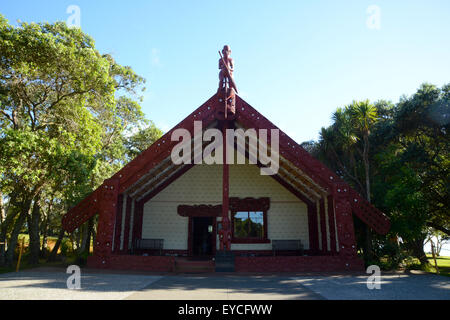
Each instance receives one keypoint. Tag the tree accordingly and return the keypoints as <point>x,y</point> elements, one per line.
<point>363,116</point>
<point>64,108</point>
<point>397,155</point>
<point>141,140</point>
<point>345,147</point>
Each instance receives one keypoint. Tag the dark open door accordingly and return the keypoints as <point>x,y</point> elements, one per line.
<point>202,236</point>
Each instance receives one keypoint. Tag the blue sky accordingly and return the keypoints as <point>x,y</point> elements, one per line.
<point>296,61</point>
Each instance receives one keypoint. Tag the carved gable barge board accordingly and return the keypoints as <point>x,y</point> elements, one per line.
<point>165,183</point>
<point>82,212</point>
<point>161,149</point>
<point>249,117</point>
<point>285,179</point>
<point>317,171</point>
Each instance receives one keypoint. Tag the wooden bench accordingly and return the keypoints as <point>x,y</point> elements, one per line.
<point>287,245</point>
<point>149,244</point>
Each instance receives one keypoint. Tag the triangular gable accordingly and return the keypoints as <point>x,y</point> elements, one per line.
<point>296,154</point>
<point>249,118</point>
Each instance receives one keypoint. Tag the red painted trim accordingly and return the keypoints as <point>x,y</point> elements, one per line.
<point>126,231</point>
<point>107,206</point>
<point>161,148</point>
<point>156,252</point>
<point>202,210</point>
<point>313,229</point>
<point>250,240</point>
<point>323,227</point>
<point>369,214</point>
<point>289,149</point>
<point>330,202</point>
<point>249,204</point>
<point>118,229</point>
<point>259,253</point>
<point>190,238</point>
<point>214,236</point>
<point>133,262</point>
<point>82,212</point>
<point>225,241</point>
<point>344,221</point>
<point>249,117</point>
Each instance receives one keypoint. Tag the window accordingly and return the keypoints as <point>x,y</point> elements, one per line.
<point>249,220</point>
<point>249,224</point>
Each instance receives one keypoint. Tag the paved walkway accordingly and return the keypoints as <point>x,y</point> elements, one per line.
<point>393,286</point>
<point>226,287</point>
<point>51,284</point>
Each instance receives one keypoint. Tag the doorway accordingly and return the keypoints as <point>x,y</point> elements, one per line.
<point>203,234</point>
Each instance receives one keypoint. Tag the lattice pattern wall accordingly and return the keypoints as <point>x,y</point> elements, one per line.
<point>287,217</point>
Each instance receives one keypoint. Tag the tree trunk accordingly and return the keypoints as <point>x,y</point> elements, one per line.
<point>416,246</point>
<point>9,258</point>
<point>3,232</point>
<point>368,250</point>
<point>86,240</point>
<point>33,232</point>
<point>7,222</point>
<point>45,229</point>
<point>79,237</point>
<point>94,233</point>
<point>91,234</point>
<point>52,256</point>
<point>44,236</point>
<point>72,242</point>
<point>2,209</point>
<point>367,165</point>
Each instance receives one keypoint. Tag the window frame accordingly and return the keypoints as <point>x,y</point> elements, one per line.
<point>249,205</point>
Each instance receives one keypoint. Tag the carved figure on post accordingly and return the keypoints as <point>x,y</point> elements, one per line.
<point>227,87</point>
<point>225,235</point>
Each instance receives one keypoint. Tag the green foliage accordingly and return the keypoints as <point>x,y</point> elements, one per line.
<point>66,247</point>
<point>409,165</point>
<point>81,259</point>
<point>142,140</point>
<point>65,112</point>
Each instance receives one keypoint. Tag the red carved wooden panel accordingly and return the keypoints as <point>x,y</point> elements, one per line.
<point>107,214</point>
<point>82,212</point>
<point>344,221</point>
<point>249,204</point>
<point>369,214</point>
<point>202,210</point>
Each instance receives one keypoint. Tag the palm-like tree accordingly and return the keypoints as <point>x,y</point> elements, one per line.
<point>341,144</point>
<point>363,116</point>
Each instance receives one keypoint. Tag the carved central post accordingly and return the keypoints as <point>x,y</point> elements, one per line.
<point>225,114</point>
<point>225,233</point>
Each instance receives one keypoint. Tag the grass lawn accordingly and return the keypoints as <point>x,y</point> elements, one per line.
<point>443,265</point>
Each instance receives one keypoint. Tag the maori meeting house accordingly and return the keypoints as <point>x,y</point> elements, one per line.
<point>156,215</point>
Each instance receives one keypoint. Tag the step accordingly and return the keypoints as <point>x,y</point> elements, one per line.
<point>194,266</point>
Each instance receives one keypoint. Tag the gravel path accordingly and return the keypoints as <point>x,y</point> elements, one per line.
<point>226,287</point>
<point>392,287</point>
<point>52,286</point>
